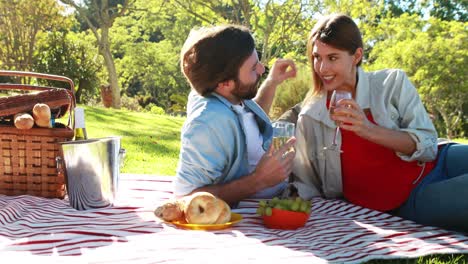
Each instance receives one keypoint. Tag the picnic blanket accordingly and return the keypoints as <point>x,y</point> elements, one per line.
<point>49,230</point>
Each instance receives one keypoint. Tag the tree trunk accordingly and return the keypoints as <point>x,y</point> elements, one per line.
<point>112,79</point>
<point>106,95</point>
<point>446,118</point>
<point>104,49</point>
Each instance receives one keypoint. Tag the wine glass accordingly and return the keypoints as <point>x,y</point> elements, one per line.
<point>335,98</point>
<point>282,131</point>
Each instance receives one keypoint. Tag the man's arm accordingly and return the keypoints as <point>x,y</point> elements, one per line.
<point>273,168</point>
<point>282,69</point>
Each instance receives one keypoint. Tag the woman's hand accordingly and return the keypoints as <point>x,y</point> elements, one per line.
<point>350,116</point>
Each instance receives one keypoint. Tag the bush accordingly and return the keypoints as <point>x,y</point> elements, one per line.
<point>130,103</point>
<point>154,109</point>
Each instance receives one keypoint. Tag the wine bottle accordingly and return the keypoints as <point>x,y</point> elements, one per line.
<point>80,127</point>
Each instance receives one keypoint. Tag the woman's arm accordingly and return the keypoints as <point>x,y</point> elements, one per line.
<point>416,137</point>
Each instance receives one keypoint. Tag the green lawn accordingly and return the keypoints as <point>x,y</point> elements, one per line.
<point>461,140</point>
<point>152,144</point>
<point>151,141</point>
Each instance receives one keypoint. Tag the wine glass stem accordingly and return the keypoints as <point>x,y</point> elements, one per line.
<point>337,130</point>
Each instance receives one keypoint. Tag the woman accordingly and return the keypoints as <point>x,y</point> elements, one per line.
<point>390,159</point>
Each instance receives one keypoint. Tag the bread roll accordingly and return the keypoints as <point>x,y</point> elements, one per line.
<point>171,211</point>
<point>41,114</point>
<point>23,121</point>
<point>205,208</point>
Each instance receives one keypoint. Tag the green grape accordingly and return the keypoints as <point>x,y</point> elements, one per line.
<point>262,203</point>
<point>274,201</point>
<point>295,206</point>
<point>268,211</point>
<point>279,206</point>
<point>284,203</point>
<point>260,210</point>
<point>308,210</point>
<point>303,206</point>
<point>298,199</point>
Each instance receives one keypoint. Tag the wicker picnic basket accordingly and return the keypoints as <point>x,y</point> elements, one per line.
<point>30,159</point>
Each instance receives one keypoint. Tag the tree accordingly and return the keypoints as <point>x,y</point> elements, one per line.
<point>100,15</point>
<point>433,53</point>
<point>20,24</point>
<point>449,9</point>
<point>280,27</point>
<point>70,54</point>
<point>148,52</point>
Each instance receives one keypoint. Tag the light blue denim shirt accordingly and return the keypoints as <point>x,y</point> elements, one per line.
<point>213,146</point>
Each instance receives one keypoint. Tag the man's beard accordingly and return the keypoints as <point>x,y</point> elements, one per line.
<point>246,91</point>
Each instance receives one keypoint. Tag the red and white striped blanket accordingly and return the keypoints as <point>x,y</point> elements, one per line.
<point>49,230</point>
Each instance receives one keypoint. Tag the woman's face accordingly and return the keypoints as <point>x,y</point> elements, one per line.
<point>336,68</point>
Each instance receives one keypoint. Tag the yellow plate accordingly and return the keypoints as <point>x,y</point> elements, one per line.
<point>235,218</point>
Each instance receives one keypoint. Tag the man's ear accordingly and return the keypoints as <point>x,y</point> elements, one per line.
<point>225,87</point>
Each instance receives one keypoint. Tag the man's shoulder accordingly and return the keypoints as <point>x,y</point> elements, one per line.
<point>206,104</point>
<point>209,110</point>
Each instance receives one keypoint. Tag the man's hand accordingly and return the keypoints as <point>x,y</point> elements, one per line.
<point>275,166</point>
<point>281,70</point>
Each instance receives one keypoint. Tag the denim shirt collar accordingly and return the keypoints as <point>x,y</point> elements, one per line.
<point>263,121</point>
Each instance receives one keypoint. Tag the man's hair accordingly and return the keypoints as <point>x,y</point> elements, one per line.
<point>338,31</point>
<point>211,55</point>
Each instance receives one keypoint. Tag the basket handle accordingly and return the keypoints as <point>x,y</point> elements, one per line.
<point>52,77</point>
<point>39,75</point>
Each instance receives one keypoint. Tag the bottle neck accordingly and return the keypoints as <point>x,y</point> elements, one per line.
<point>80,128</point>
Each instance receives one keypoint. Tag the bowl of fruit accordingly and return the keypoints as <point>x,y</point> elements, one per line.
<point>289,214</point>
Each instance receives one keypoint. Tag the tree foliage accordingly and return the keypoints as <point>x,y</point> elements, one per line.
<point>99,16</point>
<point>448,10</point>
<point>73,55</point>
<point>20,24</point>
<point>434,55</point>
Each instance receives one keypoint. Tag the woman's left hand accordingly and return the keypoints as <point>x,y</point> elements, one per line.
<point>350,116</point>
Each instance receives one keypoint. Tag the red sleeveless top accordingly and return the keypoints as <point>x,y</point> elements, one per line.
<point>374,176</point>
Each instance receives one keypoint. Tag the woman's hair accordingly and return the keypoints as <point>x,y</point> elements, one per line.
<point>211,55</point>
<point>338,31</point>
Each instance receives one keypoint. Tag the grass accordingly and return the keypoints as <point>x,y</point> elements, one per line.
<point>461,140</point>
<point>151,141</point>
<point>432,259</point>
<point>152,145</point>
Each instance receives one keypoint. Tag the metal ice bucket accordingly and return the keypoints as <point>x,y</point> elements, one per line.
<point>92,169</point>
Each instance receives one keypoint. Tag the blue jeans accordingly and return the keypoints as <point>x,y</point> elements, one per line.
<point>441,198</point>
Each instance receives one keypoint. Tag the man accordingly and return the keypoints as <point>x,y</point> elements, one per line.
<point>227,136</point>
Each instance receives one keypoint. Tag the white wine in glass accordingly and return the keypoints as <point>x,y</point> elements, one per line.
<point>335,98</point>
<point>282,131</point>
